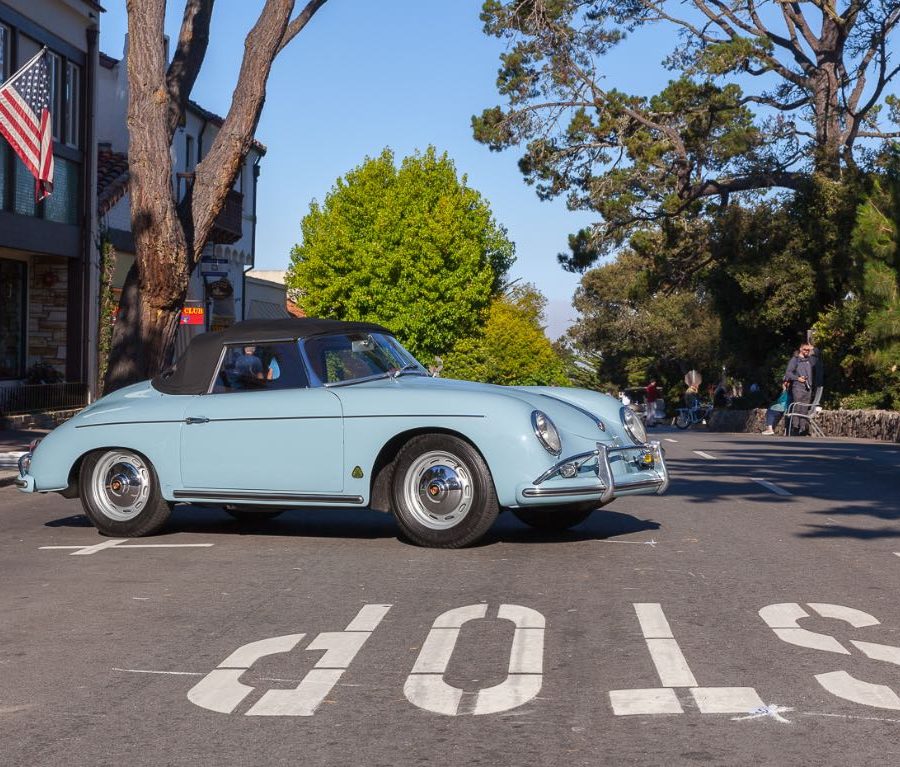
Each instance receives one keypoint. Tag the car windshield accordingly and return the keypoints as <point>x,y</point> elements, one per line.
<point>349,357</point>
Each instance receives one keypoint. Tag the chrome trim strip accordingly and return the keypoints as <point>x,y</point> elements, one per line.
<point>20,483</point>
<point>225,495</point>
<point>548,492</point>
<point>125,423</point>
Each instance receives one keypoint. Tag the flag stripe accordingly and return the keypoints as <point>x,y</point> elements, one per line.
<point>29,118</point>
<point>26,135</point>
<point>25,152</point>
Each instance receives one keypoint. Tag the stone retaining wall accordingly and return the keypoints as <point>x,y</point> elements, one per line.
<point>864,424</point>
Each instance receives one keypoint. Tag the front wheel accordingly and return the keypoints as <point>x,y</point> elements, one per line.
<point>682,420</point>
<point>120,494</point>
<point>556,520</point>
<point>443,494</point>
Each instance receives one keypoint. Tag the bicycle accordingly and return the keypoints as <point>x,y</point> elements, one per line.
<point>688,416</point>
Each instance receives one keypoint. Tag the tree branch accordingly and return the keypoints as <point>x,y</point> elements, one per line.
<point>192,43</point>
<point>294,27</point>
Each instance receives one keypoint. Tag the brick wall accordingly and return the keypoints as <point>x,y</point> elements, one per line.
<point>47,311</point>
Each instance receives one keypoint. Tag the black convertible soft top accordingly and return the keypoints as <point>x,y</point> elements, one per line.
<point>194,370</point>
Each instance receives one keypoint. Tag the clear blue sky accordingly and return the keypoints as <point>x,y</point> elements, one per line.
<point>364,75</point>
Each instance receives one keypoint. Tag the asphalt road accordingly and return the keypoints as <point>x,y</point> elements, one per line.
<point>729,622</point>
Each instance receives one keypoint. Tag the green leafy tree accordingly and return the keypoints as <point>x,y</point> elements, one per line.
<point>638,330</point>
<point>775,98</point>
<point>861,335</point>
<point>511,348</point>
<point>413,248</point>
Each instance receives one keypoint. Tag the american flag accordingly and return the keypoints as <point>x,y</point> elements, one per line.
<point>25,121</point>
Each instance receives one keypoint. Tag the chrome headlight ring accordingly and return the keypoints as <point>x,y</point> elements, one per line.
<point>545,431</point>
<point>633,425</point>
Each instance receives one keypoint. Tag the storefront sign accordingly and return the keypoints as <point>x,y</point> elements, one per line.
<point>192,315</point>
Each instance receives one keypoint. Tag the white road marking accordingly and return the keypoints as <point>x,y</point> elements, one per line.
<point>651,542</point>
<point>783,619</point>
<point>668,439</point>
<point>845,686</point>
<point>148,671</point>
<point>771,486</point>
<point>673,671</point>
<point>659,700</point>
<point>726,700</point>
<point>671,665</point>
<point>425,686</point>
<point>653,621</point>
<point>221,689</point>
<point>856,618</point>
<point>116,543</point>
<point>875,651</point>
<point>705,455</point>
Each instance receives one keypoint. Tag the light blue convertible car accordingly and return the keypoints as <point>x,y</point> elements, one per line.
<point>270,415</point>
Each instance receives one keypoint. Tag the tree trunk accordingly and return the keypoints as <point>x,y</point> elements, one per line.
<point>169,235</point>
<point>825,84</point>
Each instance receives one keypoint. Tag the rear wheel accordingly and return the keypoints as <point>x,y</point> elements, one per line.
<point>443,494</point>
<point>682,420</point>
<point>558,519</point>
<point>120,494</point>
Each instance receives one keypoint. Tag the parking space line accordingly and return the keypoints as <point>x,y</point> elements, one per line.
<point>705,455</point>
<point>668,439</point>
<point>116,544</point>
<point>771,486</point>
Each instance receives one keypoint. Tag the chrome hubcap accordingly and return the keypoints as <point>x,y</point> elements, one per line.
<point>121,485</point>
<point>438,490</point>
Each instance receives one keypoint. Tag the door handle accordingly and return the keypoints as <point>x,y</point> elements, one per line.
<point>196,419</point>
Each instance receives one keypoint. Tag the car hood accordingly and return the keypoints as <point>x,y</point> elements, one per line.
<point>574,410</point>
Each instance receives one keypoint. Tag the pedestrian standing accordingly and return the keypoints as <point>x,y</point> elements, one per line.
<point>802,373</point>
<point>652,395</point>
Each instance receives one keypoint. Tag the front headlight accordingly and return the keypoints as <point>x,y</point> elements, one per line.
<point>546,432</point>
<point>633,425</point>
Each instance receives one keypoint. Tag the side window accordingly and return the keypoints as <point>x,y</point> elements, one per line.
<point>260,367</point>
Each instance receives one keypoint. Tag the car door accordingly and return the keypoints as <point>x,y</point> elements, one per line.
<point>262,429</point>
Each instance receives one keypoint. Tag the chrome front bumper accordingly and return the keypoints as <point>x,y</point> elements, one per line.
<point>650,459</point>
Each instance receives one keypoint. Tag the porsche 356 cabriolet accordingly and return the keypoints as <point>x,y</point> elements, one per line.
<point>276,414</point>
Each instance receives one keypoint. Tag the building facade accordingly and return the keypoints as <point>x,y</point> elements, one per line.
<point>47,249</point>
<point>216,297</point>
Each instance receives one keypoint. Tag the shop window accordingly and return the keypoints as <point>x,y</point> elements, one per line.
<point>4,174</point>
<point>73,105</point>
<point>62,205</point>
<point>12,318</point>
<point>23,189</point>
<point>4,52</point>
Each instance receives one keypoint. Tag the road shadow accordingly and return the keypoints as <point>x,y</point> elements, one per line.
<point>854,480</point>
<point>364,524</point>
<point>600,525</point>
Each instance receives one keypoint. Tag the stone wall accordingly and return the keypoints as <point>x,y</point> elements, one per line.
<point>863,424</point>
<point>48,312</point>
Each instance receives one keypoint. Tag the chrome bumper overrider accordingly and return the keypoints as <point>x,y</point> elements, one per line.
<point>650,458</point>
<point>23,481</point>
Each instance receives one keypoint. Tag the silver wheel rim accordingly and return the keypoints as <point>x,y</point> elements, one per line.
<point>438,490</point>
<point>120,485</point>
